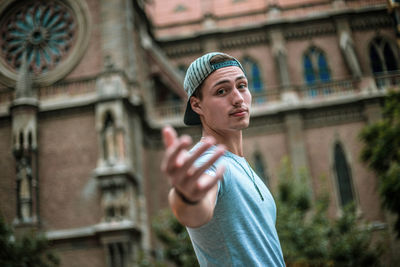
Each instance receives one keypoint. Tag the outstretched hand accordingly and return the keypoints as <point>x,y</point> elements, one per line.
<point>178,165</point>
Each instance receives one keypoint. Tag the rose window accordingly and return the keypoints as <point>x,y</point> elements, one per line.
<point>41,31</point>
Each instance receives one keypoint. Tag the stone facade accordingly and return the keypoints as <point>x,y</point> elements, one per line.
<point>290,116</point>
<point>89,125</point>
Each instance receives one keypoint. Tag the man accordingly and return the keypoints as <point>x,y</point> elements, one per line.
<point>228,211</point>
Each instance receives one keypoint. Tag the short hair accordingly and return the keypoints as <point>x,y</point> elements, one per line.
<point>214,60</point>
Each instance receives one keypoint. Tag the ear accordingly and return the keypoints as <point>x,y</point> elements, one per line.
<point>196,105</point>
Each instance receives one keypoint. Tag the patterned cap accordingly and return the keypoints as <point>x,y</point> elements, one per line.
<point>197,72</point>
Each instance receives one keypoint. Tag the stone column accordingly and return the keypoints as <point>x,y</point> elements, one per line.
<point>24,111</point>
<point>118,44</point>
<point>280,55</point>
<point>296,144</point>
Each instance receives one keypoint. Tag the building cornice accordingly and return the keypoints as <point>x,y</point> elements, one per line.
<point>282,22</point>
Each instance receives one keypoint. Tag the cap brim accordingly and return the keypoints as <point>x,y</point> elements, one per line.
<point>191,117</point>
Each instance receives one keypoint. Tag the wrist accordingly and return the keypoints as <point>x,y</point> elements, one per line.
<point>185,199</point>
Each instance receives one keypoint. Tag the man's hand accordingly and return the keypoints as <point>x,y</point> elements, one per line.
<point>178,165</point>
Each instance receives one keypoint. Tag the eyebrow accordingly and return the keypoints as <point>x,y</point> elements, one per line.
<point>227,81</point>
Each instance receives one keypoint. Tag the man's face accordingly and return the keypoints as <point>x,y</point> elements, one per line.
<point>226,100</point>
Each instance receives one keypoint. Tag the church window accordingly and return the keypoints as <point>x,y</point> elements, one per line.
<point>343,176</point>
<point>383,56</point>
<point>24,189</point>
<point>253,75</point>
<point>315,66</point>
<point>42,31</point>
<point>117,255</point>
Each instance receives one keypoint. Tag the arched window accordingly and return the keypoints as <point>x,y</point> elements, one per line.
<point>260,168</point>
<point>383,56</point>
<point>253,75</point>
<point>315,66</point>
<point>343,176</point>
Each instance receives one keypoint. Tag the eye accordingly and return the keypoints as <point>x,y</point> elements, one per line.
<point>221,91</point>
<point>242,86</point>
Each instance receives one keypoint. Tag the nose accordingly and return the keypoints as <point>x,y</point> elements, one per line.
<point>237,97</point>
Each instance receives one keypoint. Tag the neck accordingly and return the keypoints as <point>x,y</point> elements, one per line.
<point>232,140</point>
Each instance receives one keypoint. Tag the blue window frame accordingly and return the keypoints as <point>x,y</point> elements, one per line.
<point>316,70</point>
<point>253,75</point>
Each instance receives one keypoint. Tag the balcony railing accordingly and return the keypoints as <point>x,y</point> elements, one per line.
<point>387,80</point>
<point>169,110</point>
<point>328,89</point>
<point>70,88</point>
<point>273,96</point>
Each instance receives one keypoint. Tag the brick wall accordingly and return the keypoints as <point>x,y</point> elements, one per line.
<point>69,196</point>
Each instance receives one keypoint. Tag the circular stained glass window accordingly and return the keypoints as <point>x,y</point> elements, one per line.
<point>52,35</point>
<point>41,31</point>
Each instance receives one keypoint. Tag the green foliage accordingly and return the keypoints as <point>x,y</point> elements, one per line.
<point>382,153</point>
<point>309,238</point>
<point>29,250</point>
<point>350,244</point>
<point>178,247</point>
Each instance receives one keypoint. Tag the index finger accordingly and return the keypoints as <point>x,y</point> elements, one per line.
<point>169,135</point>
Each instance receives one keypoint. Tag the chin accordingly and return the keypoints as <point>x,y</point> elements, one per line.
<point>242,125</point>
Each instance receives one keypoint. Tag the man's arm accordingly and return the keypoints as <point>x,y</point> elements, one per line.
<point>193,194</point>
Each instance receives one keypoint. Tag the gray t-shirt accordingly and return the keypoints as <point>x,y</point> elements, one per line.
<point>242,231</point>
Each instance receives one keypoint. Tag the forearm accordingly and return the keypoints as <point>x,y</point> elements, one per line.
<point>191,215</point>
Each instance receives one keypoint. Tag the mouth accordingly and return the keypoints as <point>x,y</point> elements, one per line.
<point>239,112</point>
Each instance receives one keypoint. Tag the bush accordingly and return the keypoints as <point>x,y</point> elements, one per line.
<point>29,250</point>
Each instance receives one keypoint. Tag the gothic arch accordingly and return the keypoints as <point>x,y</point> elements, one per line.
<point>383,55</point>
<point>315,66</point>
<point>253,74</point>
<point>342,174</point>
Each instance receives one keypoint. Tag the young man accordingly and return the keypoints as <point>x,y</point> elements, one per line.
<point>228,211</point>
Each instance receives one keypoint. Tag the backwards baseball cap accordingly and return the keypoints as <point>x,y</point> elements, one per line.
<point>197,72</point>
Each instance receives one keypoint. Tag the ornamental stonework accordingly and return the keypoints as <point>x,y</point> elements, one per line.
<point>43,32</point>
<point>50,35</point>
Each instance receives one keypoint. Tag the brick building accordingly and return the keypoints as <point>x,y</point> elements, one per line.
<point>85,87</point>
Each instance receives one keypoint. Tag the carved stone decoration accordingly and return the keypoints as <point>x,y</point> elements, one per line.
<point>52,35</point>
<point>111,86</point>
<point>178,50</point>
<point>24,87</point>
<point>112,136</point>
<point>24,189</point>
<point>376,21</point>
<point>347,47</point>
<point>24,110</point>
<point>280,55</point>
<point>108,137</point>
<point>308,31</point>
<point>117,198</point>
<point>241,41</point>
